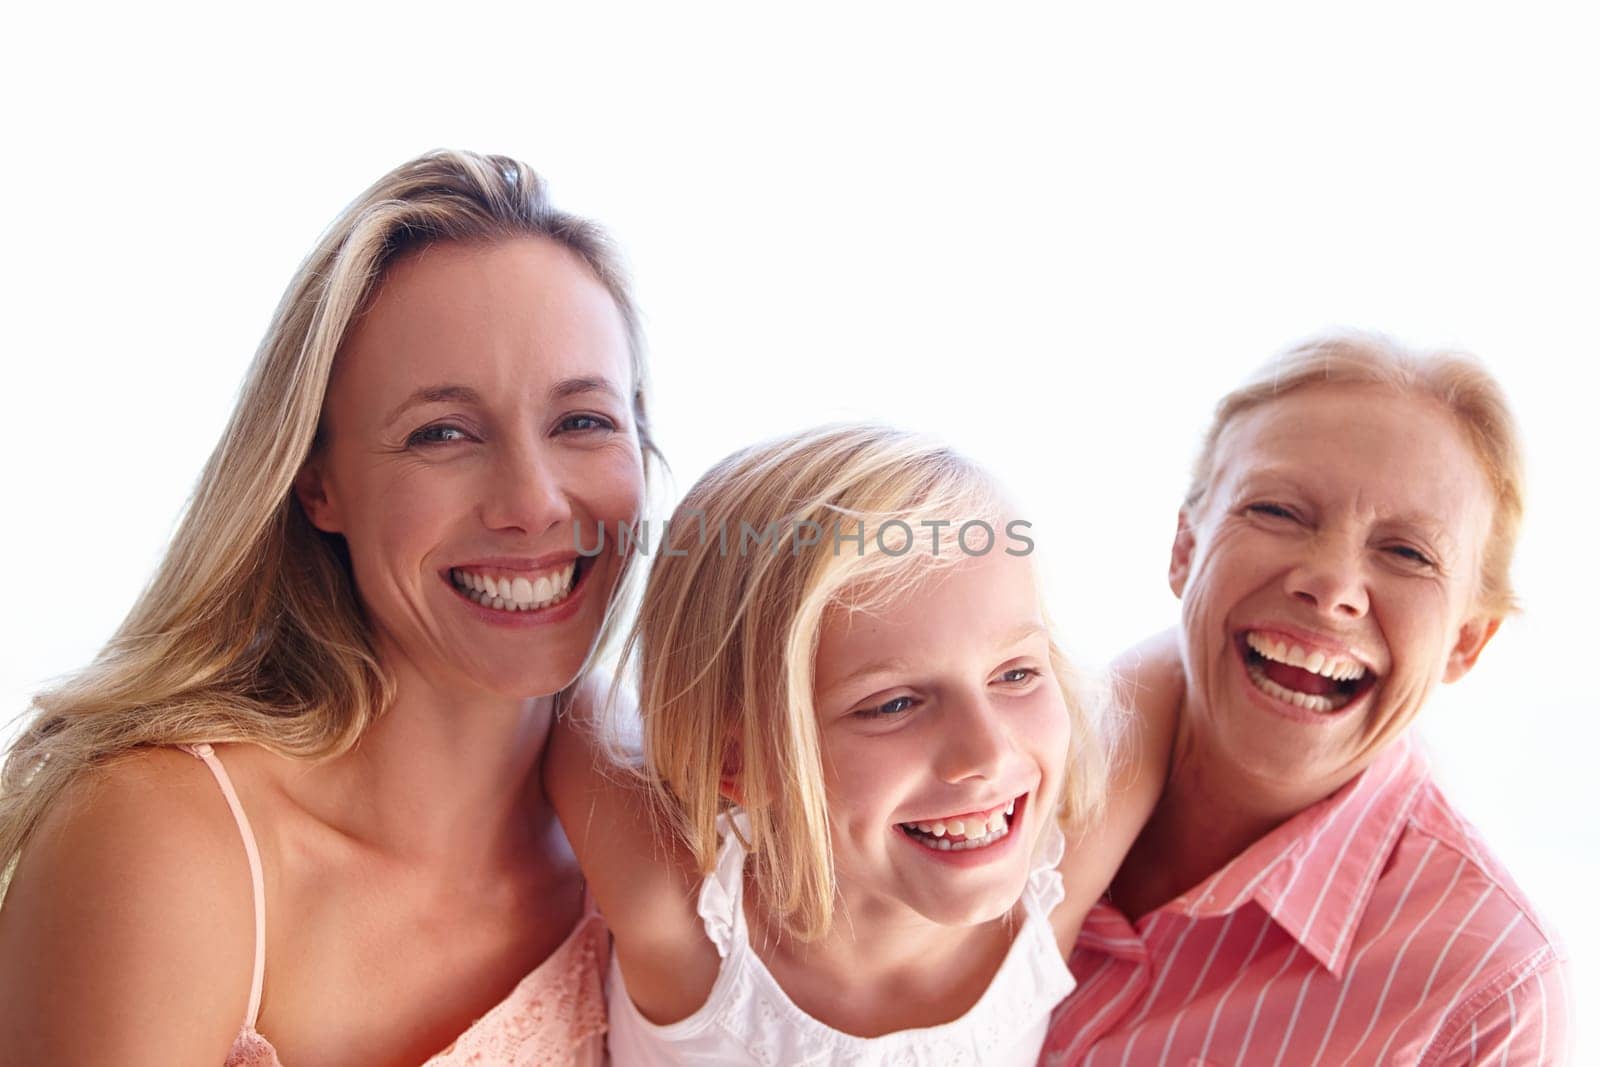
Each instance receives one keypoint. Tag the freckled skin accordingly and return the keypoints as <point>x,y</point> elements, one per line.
<point>1354,513</point>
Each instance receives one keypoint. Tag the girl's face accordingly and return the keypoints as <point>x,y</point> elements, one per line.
<point>944,738</point>
<point>478,420</point>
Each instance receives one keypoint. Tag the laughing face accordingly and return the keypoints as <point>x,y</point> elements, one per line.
<point>944,737</point>
<point>1329,580</point>
<point>480,410</point>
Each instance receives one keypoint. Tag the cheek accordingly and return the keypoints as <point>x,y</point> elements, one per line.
<point>612,483</point>
<point>864,777</point>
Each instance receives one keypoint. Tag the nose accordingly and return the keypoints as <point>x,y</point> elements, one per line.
<point>974,742</point>
<point>1330,579</point>
<point>527,491</point>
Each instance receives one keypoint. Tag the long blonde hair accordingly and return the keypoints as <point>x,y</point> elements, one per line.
<point>726,638</point>
<point>250,629</point>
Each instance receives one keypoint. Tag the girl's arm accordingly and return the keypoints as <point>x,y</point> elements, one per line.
<point>127,934</point>
<point>640,874</point>
<point>1148,682</point>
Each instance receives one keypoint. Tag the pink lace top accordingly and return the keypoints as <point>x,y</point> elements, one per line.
<point>557,1014</point>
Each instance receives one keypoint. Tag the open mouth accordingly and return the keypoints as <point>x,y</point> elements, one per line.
<point>962,833</point>
<point>512,592</point>
<point>1315,680</point>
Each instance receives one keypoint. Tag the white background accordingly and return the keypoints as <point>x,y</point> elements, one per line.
<point>1053,238</point>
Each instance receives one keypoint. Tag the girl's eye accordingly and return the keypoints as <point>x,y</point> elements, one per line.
<point>438,434</point>
<point>897,706</point>
<point>585,423</point>
<point>1019,676</point>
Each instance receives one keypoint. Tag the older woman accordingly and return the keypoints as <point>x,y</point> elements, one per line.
<point>1302,893</point>
<point>294,808</point>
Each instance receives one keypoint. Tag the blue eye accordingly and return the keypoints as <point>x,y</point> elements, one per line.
<point>1018,675</point>
<point>438,434</point>
<point>897,706</point>
<point>585,424</point>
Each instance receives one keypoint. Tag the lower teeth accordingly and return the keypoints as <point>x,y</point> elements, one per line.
<point>1309,701</point>
<point>944,844</point>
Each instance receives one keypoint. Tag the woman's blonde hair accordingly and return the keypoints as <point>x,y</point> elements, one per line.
<point>250,629</point>
<point>727,634</point>
<point>1454,380</point>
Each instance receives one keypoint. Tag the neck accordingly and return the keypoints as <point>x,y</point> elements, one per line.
<point>882,968</point>
<point>449,780</point>
<point>1209,812</point>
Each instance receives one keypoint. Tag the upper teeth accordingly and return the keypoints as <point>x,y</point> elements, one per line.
<point>1335,667</point>
<point>968,825</point>
<point>515,594</point>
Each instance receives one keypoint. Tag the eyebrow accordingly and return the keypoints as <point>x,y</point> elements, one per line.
<point>434,394</point>
<point>570,387</point>
<point>465,394</point>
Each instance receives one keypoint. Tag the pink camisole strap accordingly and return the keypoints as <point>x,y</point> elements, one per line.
<point>257,889</point>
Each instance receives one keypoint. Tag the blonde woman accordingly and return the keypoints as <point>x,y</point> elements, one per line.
<point>292,812</point>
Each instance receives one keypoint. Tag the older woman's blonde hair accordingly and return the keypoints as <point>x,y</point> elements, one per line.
<point>250,629</point>
<point>1453,380</point>
<point>727,634</point>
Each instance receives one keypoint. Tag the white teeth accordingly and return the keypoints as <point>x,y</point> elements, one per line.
<point>515,594</point>
<point>1309,701</point>
<point>944,844</point>
<point>971,828</point>
<point>1340,670</point>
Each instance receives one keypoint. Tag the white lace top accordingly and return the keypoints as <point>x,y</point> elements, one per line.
<point>749,1019</point>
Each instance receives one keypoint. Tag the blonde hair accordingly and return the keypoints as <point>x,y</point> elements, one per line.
<point>250,629</point>
<point>726,638</point>
<point>1454,380</point>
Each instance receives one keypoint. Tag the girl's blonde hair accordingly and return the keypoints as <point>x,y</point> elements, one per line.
<point>727,634</point>
<point>1454,380</point>
<point>250,629</point>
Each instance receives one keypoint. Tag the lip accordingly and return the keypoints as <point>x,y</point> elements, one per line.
<point>980,810</point>
<point>976,857</point>
<point>1286,710</point>
<point>525,620</point>
<point>522,564</point>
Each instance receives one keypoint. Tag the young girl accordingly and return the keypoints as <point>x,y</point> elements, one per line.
<point>860,746</point>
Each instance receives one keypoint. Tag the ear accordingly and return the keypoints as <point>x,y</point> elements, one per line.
<point>728,785</point>
<point>1182,554</point>
<point>312,490</point>
<point>1470,641</point>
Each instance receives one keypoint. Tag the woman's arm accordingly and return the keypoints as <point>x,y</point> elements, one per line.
<point>127,935</point>
<point>641,876</point>
<point>1147,681</point>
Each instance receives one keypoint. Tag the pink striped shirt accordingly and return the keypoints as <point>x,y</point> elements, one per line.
<point>1372,928</point>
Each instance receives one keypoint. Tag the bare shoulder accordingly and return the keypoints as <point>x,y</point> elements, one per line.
<point>1148,683</point>
<point>127,934</point>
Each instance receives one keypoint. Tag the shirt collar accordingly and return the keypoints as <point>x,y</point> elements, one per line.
<point>1316,873</point>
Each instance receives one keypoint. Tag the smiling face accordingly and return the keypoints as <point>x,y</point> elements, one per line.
<point>1329,580</point>
<point>944,736</point>
<point>479,410</point>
